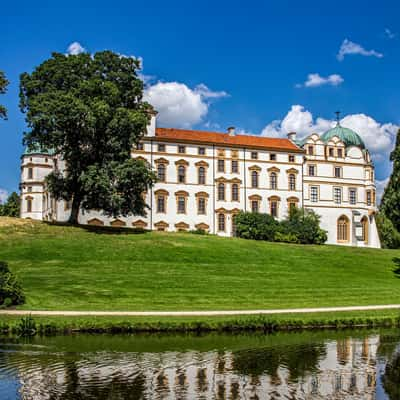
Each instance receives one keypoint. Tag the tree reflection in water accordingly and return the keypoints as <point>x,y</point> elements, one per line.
<point>298,360</point>
<point>391,378</point>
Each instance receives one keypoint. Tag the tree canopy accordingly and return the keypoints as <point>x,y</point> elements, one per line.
<point>88,109</point>
<point>11,208</point>
<point>390,204</point>
<point>3,88</point>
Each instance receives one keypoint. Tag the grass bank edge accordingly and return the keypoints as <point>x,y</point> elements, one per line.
<point>267,324</point>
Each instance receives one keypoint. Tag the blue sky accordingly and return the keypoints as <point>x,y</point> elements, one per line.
<point>209,65</point>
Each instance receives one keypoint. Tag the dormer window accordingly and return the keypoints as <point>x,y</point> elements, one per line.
<point>310,150</point>
<point>331,152</point>
<point>340,153</point>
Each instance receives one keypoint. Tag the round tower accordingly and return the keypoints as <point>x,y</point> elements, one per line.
<point>36,164</point>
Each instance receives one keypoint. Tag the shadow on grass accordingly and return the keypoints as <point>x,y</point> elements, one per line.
<point>396,271</point>
<point>103,230</point>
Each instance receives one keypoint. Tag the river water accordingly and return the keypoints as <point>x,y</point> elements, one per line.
<point>302,365</point>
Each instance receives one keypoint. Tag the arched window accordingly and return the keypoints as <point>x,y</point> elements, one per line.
<point>221,191</point>
<point>235,192</point>
<point>364,225</point>
<point>202,176</point>
<point>273,180</point>
<point>254,179</point>
<point>161,172</point>
<point>343,229</point>
<point>221,222</point>
<point>292,182</point>
<point>181,174</point>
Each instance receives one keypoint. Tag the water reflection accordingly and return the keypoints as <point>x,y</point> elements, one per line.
<point>291,366</point>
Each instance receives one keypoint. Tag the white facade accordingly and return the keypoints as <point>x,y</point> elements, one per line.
<point>206,178</point>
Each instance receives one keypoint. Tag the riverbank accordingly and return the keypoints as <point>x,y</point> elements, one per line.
<point>265,323</point>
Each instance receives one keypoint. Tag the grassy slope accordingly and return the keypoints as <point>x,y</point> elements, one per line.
<point>75,269</point>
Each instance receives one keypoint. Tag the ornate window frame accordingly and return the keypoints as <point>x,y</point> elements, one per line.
<point>179,194</point>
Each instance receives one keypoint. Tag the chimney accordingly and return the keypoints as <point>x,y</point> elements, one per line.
<point>151,127</point>
<point>231,131</point>
<point>291,136</point>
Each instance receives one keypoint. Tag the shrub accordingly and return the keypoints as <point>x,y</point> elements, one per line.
<point>198,232</point>
<point>388,234</point>
<point>256,226</point>
<point>10,290</point>
<point>299,227</point>
<point>305,225</point>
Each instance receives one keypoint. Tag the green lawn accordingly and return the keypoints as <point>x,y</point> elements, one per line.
<point>65,268</point>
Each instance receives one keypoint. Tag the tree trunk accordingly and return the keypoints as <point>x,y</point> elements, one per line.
<point>73,218</point>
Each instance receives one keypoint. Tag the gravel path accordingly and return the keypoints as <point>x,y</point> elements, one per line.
<point>197,313</point>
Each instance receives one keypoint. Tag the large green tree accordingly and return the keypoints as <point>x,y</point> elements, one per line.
<point>11,208</point>
<point>390,204</point>
<point>89,110</point>
<point>3,88</point>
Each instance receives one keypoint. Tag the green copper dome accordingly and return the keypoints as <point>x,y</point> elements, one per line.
<point>37,149</point>
<point>346,135</point>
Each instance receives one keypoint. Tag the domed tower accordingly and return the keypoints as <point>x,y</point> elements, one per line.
<point>36,164</point>
<point>339,186</point>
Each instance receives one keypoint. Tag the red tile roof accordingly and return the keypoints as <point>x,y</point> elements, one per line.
<point>248,141</point>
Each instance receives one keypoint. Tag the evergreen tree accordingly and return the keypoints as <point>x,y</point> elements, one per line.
<point>3,88</point>
<point>89,109</point>
<point>390,204</point>
<point>11,208</point>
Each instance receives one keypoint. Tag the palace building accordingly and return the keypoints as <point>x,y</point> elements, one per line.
<point>205,178</point>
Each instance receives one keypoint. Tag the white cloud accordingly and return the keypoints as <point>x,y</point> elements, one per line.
<point>380,188</point>
<point>178,105</point>
<point>378,138</point>
<point>75,48</point>
<point>389,34</point>
<point>3,195</point>
<point>205,92</point>
<point>349,47</point>
<point>315,80</point>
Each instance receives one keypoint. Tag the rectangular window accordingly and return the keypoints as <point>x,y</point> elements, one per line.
<point>161,204</point>
<point>221,166</point>
<point>140,146</point>
<point>181,149</point>
<point>161,148</point>
<point>274,208</point>
<point>235,192</point>
<point>201,205</point>
<point>161,172</point>
<point>254,206</point>
<point>340,153</point>
<point>29,205</point>
<point>30,173</point>
<point>291,158</point>
<point>330,152</point>
<point>311,150</point>
<point>181,205</point>
<point>221,222</point>
<point>311,170</point>
<point>369,198</point>
<point>254,155</point>
<point>202,151</point>
<point>29,189</point>
<point>353,196</point>
<point>314,194</point>
<point>337,195</point>
<point>235,166</point>
<point>272,157</point>
<point>338,172</point>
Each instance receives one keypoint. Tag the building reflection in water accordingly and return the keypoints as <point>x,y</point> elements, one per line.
<point>344,368</point>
